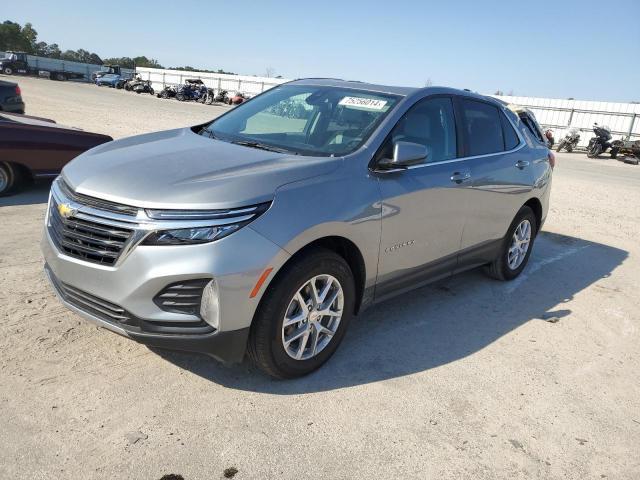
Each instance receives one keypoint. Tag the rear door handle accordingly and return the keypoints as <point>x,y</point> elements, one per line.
<point>459,177</point>
<point>521,164</point>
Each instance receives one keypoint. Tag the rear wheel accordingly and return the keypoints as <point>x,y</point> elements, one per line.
<point>7,71</point>
<point>569,147</point>
<point>60,76</point>
<point>516,247</point>
<point>7,178</point>
<point>303,316</point>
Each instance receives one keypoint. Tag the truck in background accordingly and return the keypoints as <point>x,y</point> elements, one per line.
<point>114,69</point>
<point>21,63</point>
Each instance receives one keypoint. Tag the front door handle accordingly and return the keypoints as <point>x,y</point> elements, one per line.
<point>459,177</point>
<point>521,164</point>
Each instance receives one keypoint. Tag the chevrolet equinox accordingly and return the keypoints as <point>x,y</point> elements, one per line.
<point>264,231</point>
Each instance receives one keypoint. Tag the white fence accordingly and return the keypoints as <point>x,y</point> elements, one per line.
<point>218,81</point>
<point>562,115</point>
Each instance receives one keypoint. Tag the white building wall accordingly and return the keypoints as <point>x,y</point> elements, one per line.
<point>561,115</point>
<point>250,85</point>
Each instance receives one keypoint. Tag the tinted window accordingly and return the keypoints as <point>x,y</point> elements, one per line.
<point>510,138</point>
<point>483,127</point>
<point>430,123</point>
<point>532,126</point>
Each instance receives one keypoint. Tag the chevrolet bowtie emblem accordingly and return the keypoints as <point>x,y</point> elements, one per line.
<point>65,210</point>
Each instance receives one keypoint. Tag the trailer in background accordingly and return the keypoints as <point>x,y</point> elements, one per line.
<point>21,63</point>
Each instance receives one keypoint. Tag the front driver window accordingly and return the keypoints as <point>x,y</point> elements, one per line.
<point>430,123</point>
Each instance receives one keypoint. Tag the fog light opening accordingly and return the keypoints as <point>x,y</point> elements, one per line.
<point>209,308</point>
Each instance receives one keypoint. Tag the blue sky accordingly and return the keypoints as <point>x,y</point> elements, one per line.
<point>583,49</point>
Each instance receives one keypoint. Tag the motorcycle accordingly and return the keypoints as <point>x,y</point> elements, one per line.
<point>570,140</point>
<point>191,90</point>
<point>168,91</point>
<point>237,99</point>
<point>143,87</point>
<point>222,97</point>
<point>601,142</point>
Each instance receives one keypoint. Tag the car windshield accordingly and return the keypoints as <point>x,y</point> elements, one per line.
<point>305,120</point>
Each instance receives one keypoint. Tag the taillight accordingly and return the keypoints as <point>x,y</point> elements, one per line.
<point>552,159</point>
<point>18,92</point>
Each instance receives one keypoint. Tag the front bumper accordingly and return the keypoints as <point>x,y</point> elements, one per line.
<point>234,262</point>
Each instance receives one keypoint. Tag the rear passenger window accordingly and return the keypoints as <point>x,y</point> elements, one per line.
<point>482,126</point>
<point>511,140</point>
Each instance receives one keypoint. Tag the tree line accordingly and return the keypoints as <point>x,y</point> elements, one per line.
<point>18,38</point>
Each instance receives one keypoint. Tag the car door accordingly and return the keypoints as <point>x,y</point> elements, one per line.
<point>423,206</point>
<point>502,177</point>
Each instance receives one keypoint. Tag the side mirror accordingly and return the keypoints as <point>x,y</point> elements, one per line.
<point>405,154</point>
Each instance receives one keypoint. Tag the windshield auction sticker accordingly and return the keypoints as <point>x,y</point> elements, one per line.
<point>359,102</point>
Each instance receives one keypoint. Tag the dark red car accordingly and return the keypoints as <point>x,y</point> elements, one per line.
<point>33,148</point>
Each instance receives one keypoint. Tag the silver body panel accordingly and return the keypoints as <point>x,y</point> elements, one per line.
<point>411,225</point>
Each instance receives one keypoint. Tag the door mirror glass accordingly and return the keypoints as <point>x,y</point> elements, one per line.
<point>405,154</point>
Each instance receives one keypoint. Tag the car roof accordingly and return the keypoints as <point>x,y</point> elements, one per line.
<point>7,84</point>
<point>395,90</point>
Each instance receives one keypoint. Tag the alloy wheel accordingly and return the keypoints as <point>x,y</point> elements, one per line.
<point>312,317</point>
<point>519,244</point>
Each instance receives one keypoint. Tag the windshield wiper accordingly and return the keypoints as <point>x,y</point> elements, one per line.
<point>262,146</point>
<point>209,132</point>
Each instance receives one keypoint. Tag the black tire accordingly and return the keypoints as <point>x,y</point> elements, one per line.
<point>594,151</point>
<point>7,179</point>
<point>561,145</point>
<point>61,77</point>
<point>151,91</point>
<point>614,152</point>
<point>499,268</point>
<point>569,148</point>
<point>180,97</point>
<point>265,348</point>
<point>7,71</point>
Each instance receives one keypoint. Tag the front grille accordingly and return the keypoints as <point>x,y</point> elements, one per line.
<point>114,314</point>
<point>182,297</point>
<point>87,239</point>
<point>96,202</point>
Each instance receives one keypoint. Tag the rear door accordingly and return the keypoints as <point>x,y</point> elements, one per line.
<point>423,207</point>
<point>502,177</point>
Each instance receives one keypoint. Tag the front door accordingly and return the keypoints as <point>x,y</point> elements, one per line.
<point>423,207</point>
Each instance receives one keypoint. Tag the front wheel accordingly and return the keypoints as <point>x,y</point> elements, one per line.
<point>516,247</point>
<point>561,145</point>
<point>594,151</point>
<point>7,71</point>
<point>303,316</point>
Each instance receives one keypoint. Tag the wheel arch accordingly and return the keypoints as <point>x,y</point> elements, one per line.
<point>535,205</point>
<point>343,247</point>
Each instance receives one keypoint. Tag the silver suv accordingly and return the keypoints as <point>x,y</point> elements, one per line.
<point>266,230</point>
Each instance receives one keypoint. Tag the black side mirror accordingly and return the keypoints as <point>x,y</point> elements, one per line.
<point>405,154</point>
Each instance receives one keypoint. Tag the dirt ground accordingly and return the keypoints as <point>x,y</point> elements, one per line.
<point>468,378</point>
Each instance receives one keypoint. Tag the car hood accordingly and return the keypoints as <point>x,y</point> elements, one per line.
<point>181,169</point>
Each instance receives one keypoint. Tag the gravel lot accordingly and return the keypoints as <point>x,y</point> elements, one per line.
<point>468,378</point>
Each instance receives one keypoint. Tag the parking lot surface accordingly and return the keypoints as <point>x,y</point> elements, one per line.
<point>466,378</point>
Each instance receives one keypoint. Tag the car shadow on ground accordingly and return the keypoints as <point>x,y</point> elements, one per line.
<point>437,324</point>
<point>31,194</point>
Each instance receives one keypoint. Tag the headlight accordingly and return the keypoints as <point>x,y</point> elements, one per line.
<point>231,220</point>
<point>186,236</point>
